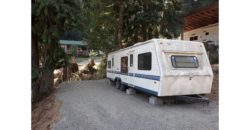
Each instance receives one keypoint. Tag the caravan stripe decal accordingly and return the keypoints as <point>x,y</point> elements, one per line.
<point>143,89</point>
<point>144,76</point>
<point>146,90</point>
<point>153,77</point>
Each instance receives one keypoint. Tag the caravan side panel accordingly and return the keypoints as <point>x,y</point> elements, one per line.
<point>147,80</point>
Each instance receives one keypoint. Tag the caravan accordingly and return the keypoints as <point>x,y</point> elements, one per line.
<point>162,67</point>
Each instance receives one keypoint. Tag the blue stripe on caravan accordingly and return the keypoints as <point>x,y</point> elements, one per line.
<point>152,77</point>
<point>143,89</point>
<point>146,90</point>
<point>130,74</point>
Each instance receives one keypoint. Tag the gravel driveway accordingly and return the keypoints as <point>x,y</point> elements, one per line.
<point>96,105</point>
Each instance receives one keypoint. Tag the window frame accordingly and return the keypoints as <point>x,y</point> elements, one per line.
<point>150,61</point>
<point>174,66</point>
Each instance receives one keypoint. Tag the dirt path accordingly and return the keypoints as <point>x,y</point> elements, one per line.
<point>95,105</point>
<point>45,113</point>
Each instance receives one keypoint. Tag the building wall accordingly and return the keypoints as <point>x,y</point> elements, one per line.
<point>81,51</point>
<point>212,32</point>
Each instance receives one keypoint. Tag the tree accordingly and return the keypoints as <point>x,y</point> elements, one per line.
<point>100,25</point>
<point>49,19</point>
<point>191,5</point>
<point>114,24</point>
<point>74,51</point>
<point>120,23</point>
<point>152,19</point>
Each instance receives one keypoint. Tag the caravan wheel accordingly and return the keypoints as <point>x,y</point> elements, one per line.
<point>123,87</point>
<point>111,82</point>
<point>118,84</point>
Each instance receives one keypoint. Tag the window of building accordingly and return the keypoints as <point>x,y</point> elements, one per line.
<point>193,38</point>
<point>184,61</point>
<point>207,33</point>
<point>109,64</point>
<point>124,64</point>
<point>131,60</point>
<point>144,61</point>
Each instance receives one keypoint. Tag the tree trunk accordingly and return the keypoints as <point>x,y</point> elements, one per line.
<point>47,83</point>
<point>182,34</point>
<point>35,56</point>
<point>120,24</point>
<point>35,65</point>
<point>65,73</point>
<point>144,33</point>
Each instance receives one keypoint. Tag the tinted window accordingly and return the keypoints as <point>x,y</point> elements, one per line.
<point>131,60</point>
<point>144,61</point>
<point>112,61</point>
<point>109,64</point>
<point>184,61</point>
<point>124,64</point>
<point>193,38</point>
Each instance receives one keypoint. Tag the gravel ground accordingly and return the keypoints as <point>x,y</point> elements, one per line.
<point>96,105</point>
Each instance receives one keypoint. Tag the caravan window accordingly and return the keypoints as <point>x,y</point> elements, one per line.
<point>112,61</point>
<point>109,64</point>
<point>124,64</point>
<point>131,60</point>
<point>184,61</point>
<point>144,61</point>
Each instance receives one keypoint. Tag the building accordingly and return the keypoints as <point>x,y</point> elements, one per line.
<point>82,47</point>
<point>202,25</point>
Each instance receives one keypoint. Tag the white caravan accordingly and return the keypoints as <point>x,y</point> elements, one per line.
<point>162,67</point>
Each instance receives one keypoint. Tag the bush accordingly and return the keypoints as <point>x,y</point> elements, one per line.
<point>213,52</point>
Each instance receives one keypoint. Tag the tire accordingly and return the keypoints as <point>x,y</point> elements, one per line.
<point>111,82</point>
<point>123,87</point>
<point>118,84</point>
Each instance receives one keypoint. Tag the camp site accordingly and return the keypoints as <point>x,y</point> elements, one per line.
<point>125,65</point>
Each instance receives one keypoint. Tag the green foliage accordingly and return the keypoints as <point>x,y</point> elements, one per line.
<point>142,20</point>
<point>49,19</point>
<point>191,5</point>
<point>152,19</point>
<point>74,51</point>
<point>101,70</point>
<point>100,32</point>
<point>35,74</point>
